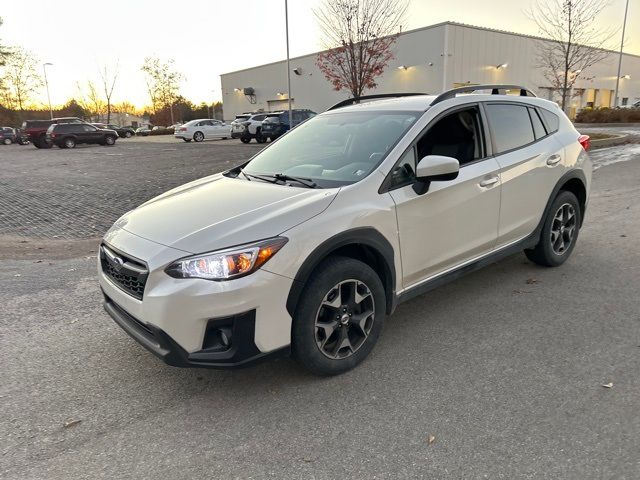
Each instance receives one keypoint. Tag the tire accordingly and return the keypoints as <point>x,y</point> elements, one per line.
<point>559,232</point>
<point>128,134</point>
<point>110,140</point>
<point>69,142</point>
<point>260,138</point>
<point>245,139</point>
<point>7,141</point>
<point>198,137</point>
<point>186,140</point>
<point>41,142</point>
<point>318,340</point>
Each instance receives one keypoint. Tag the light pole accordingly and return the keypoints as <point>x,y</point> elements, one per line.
<point>624,26</point>
<point>46,82</point>
<point>286,23</point>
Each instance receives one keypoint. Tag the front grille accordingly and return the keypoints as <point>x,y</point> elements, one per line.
<point>126,273</point>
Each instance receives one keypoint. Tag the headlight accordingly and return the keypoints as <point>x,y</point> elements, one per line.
<point>229,263</point>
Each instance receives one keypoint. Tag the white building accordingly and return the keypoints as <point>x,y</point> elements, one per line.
<point>430,60</point>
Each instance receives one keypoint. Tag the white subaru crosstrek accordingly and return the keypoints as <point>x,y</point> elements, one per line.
<point>308,246</point>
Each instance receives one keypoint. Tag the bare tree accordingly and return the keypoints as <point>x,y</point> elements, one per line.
<point>577,41</point>
<point>108,84</point>
<point>89,99</point>
<point>163,83</point>
<point>4,51</point>
<point>21,79</point>
<point>359,36</point>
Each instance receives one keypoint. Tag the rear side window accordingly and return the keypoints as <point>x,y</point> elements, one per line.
<point>551,119</point>
<point>510,126</point>
<point>538,127</point>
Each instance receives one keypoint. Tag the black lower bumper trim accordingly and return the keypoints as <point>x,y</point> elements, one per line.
<point>242,352</point>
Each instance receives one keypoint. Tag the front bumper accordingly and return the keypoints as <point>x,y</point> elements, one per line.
<point>180,313</point>
<point>242,350</point>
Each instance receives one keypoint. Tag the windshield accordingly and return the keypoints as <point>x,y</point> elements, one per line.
<point>334,149</point>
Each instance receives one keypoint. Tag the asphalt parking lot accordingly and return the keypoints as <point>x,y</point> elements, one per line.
<point>498,375</point>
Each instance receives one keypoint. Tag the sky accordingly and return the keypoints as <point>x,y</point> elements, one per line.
<point>208,38</point>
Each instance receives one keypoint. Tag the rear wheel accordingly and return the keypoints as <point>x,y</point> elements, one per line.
<point>245,139</point>
<point>128,134</point>
<point>69,142</point>
<point>198,136</point>
<point>339,316</point>
<point>559,232</point>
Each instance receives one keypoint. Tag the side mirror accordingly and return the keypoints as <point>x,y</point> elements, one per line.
<point>435,168</point>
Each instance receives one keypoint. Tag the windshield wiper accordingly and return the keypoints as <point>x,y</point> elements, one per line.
<point>307,182</point>
<point>281,177</point>
<point>264,178</point>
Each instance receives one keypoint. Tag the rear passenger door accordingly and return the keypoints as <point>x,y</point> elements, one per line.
<point>531,162</point>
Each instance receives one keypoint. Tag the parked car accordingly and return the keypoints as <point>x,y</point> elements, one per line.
<point>247,127</point>
<point>36,130</point>
<point>203,129</point>
<point>68,135</point>
<point>123,132</point>
<point>277,123</point>
<point>307,247</point>
<point>143,131</point>
<point>9,135</point>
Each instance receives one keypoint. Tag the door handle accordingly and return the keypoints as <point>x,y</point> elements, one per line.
<point>489,181</point>
<point>553,160</point>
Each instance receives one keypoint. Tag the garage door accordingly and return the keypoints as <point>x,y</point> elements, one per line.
<point>277,105</point>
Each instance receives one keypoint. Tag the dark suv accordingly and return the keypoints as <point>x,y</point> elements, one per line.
<point>36,130</point>
<point>277,124</point>
<point>68,135</point>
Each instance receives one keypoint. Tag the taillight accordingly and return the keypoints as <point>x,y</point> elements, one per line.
<point>585,141</point>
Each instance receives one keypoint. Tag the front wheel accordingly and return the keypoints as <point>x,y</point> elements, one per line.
<point>7,141</point>
<point>339,316</point>
<point>559,232</point>
<point>128,134</point>
<point>110,140</point>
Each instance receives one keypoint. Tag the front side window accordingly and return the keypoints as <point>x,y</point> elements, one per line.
<point>510,126</point>
<point>457,135</point>
<point>334,149</point>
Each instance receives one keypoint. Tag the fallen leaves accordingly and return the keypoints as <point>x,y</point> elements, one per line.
<point>431,440</point>
<point>532,281</point>
<point>608,385</point>
<point>71,423</point>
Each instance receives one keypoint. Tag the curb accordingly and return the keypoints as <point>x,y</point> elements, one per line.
<point>615,139</point>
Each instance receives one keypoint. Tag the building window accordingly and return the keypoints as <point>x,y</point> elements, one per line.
<point>625,101</point>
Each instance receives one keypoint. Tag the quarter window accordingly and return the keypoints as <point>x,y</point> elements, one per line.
<point>538,127</point>
<point>552,120</point>
<point>510,126</point>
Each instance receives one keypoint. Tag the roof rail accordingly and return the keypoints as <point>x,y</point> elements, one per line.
<point>354,100</point>
<point>495,90</point>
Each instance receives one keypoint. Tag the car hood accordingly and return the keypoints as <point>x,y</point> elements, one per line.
<point>217,212</point>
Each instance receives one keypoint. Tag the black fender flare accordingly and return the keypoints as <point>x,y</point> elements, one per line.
<point>364,236</point>
<point>573,174</point>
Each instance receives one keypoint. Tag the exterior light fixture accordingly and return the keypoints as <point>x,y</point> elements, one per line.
<point>626,77</point>
<point>237,90</point>
<point>280,94</point>
<point>402,67</point>
<point>501,66</point>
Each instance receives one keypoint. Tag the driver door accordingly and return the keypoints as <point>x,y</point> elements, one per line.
<point>456,220</point>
